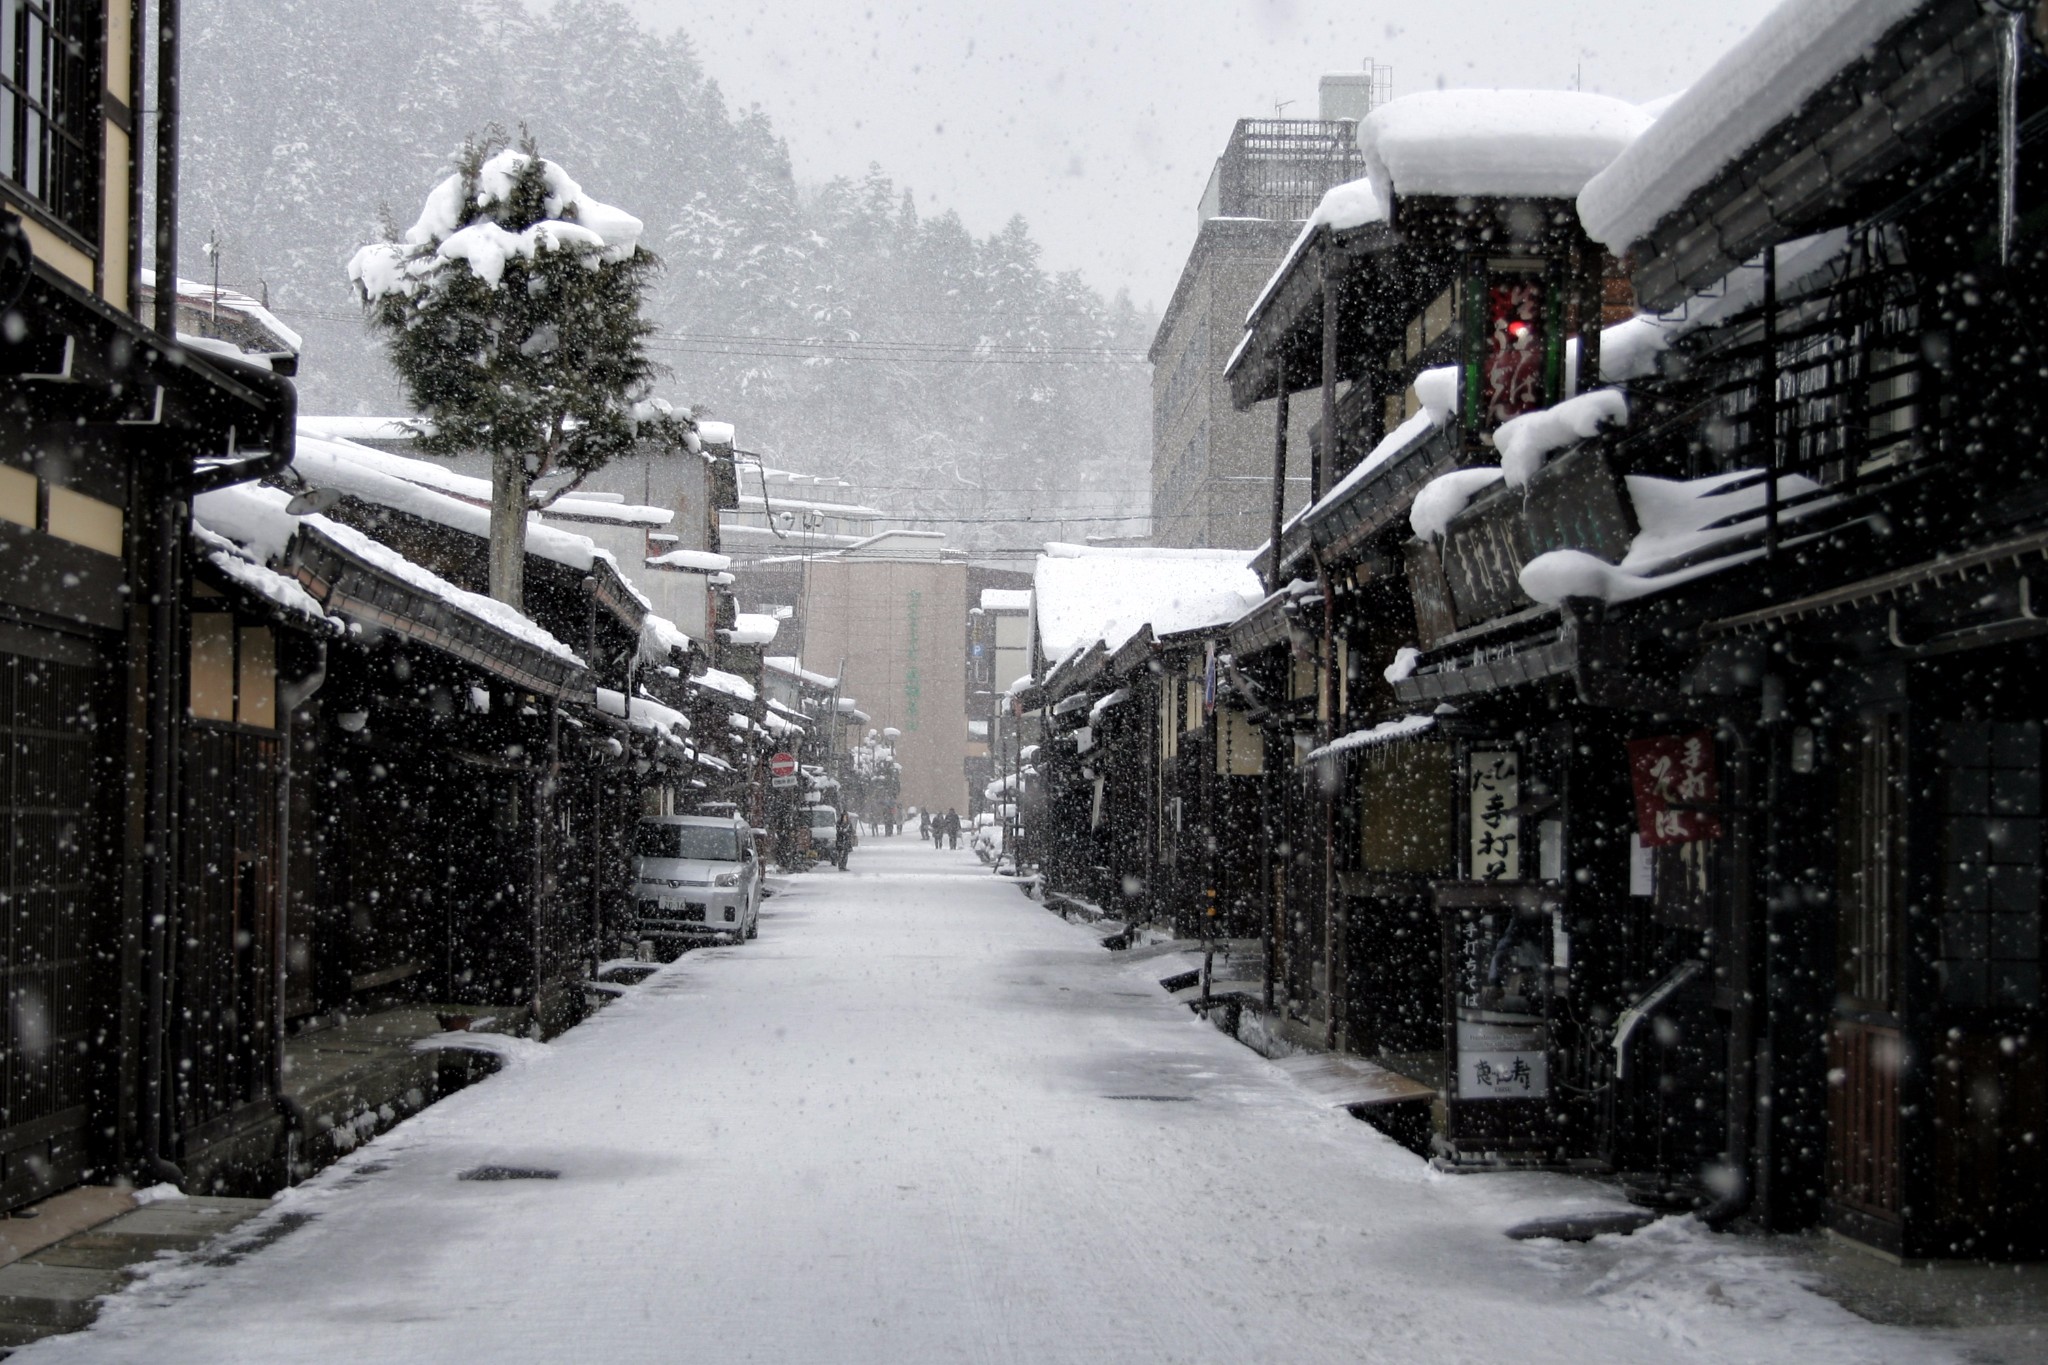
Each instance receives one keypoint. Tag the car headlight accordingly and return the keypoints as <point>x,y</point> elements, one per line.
<point>727,879</point>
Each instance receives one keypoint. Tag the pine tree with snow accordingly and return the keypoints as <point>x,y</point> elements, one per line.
<point>511,311</point>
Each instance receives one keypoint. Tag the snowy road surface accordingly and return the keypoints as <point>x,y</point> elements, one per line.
<point>898,1128</point>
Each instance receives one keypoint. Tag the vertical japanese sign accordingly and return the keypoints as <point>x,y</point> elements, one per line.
<point>1514,342</point>
<point>1672,775</point>
<point>913,686</point>
<point>1496,837</point>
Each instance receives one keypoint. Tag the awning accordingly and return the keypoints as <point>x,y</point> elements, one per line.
<point>1490,672</point>
<point>1897,585</point>
<point>343,582</point>
<point>1386,732</point>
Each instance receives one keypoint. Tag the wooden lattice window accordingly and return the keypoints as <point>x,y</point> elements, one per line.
<point>49,106</point>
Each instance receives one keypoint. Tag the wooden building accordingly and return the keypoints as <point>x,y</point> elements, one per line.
<point>110,428</point>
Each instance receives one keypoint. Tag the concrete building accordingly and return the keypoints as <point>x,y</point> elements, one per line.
<point>1212,466</point>
<point>888,618</point>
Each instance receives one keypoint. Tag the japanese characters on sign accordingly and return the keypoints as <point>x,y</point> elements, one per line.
<point>1496,836</point>
<point>1676,785</point>
<point>1503,1075</point>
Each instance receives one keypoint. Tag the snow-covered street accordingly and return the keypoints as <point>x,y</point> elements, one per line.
<point>920,1119</point>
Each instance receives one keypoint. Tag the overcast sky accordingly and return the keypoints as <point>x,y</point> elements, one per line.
<point>1098,119</point>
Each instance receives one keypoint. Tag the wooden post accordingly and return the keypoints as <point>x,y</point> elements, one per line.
<point>1767,402</point>
<point>1592,311</point>
<point>1279,471</point>
<point>1333,929</point>
<point>1324,461</point>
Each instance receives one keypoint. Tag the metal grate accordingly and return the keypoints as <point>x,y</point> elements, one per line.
<point>1281,168</point>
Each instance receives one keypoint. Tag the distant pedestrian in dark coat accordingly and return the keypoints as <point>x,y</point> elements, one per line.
<point>844,838</point>
<point>924,825</point>
<point>951,822</point>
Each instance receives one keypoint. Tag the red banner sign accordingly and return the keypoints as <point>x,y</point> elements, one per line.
<point>1676,787</point>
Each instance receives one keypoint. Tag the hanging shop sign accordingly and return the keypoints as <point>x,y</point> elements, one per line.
<point>1495,787</point>
<point>1676,788</point>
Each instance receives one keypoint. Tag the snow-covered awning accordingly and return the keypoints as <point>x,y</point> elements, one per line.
<point>731,684</point>
<point>279,593</point>
<point>1386,732</point>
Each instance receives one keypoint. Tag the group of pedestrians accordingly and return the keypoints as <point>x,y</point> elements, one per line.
<point>942,830</point>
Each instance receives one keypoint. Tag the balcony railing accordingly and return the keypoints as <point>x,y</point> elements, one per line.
<point>1280,168</point>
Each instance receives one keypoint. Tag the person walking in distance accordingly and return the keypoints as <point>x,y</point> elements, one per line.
<point>924,825</point>
<point>844,838</point>
<point>952,824</point>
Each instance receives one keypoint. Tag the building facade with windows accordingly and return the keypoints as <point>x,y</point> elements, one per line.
<point>1212,464</point>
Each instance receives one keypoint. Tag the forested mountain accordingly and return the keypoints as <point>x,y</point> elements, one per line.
<point>843,332</point>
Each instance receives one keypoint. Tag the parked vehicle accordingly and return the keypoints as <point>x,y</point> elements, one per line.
<point>824,824</point>
<point>697,878</point>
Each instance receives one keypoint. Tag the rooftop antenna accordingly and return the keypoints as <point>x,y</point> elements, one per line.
<point>1280,108</point>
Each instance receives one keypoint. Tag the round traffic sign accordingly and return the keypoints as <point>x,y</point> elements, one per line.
<point>782,765</point>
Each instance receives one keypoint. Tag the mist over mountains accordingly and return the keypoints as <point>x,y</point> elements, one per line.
<point>843,331</point>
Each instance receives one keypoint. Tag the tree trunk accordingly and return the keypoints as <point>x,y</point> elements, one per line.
<point>508,530</point>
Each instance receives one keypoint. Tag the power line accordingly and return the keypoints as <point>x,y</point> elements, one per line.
<point>849,349</point>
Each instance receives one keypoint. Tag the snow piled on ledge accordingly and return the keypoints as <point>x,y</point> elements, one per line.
<point>1679,520</point>
<point>1525,442</point>
<point>1446,495</point>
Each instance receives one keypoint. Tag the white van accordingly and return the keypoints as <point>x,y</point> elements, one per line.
<point>696,878</point>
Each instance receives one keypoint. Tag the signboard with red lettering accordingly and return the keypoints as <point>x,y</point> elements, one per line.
<point>1676,787</point>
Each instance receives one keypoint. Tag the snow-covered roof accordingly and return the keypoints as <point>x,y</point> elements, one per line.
<point>1006,599</point>
<point>372,476</point>
<point>254,517</point>
<point>609,507</point>
<point>778,502</point>
<point>341,428</point>
<point>193,294</point>
<point>1086,593</point>
<point>1438,390</point>
<point>1352,204</point>
<point>788,666</point>
<point>702,561</point>
<point>659,636</point>
<point>1446,495</point>
<point>644,713</point>
<point>898,545</point>
<point>1756,85</point>
<point>247,570</point>
<point>1386,732</point>
<point>751,628</point>
<point>1509,143</point>
<point>731,684</point>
